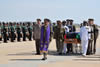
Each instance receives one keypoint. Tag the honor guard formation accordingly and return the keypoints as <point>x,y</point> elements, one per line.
<point>64,32</point>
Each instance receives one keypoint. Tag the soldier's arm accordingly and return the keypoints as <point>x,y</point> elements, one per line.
<point>96,31</point>
<point>55,32</point>
<point>51,33</point>
<point>63,34</point>
<point>74,28</point>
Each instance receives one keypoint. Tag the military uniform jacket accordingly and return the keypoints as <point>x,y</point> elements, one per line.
<point>37,31</point>
<point>59,33</point>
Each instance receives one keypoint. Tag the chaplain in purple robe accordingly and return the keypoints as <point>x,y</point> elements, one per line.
<point>45,38</point>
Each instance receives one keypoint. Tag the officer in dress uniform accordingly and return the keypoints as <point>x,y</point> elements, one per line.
<point>37,35</point>
<point>93,37</point>
<point>84,38</point>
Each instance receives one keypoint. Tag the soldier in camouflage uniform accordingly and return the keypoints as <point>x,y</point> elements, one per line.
<point>59,36</point>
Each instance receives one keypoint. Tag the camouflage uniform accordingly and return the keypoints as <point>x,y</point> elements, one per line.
<point>59,36</point>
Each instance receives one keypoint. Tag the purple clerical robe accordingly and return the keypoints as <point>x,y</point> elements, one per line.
<point>44,42</point>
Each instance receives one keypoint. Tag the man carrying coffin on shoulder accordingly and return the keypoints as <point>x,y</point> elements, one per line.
<point>71,29</point>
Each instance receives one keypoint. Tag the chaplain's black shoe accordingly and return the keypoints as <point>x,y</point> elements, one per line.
<point>44,58</point>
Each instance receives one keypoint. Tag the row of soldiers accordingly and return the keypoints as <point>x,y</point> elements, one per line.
<point>11,31</point>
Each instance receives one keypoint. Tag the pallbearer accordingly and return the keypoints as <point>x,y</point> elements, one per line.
<point>59,36</point>
<point>66,31</point>
<point>84,38</point>
<point>45,38</point>
<point>71,29</point>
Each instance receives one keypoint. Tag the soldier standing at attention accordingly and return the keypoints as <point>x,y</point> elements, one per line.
<point>18,30</point>
<point>12,34</point>
<point>30,32</point>
<point>24,30</point>
<point>14,26</point>
<point>7,26</point>
<point>93,37</point>
<point>21,25</point>
<point>4,33</point>
<point>37,35</point>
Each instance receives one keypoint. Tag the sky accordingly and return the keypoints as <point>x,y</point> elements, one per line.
<point>30,10</point>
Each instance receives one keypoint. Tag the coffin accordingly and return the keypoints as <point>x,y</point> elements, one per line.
<point>72,37</point>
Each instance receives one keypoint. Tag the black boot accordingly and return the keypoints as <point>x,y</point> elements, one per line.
<point>44,56</point>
